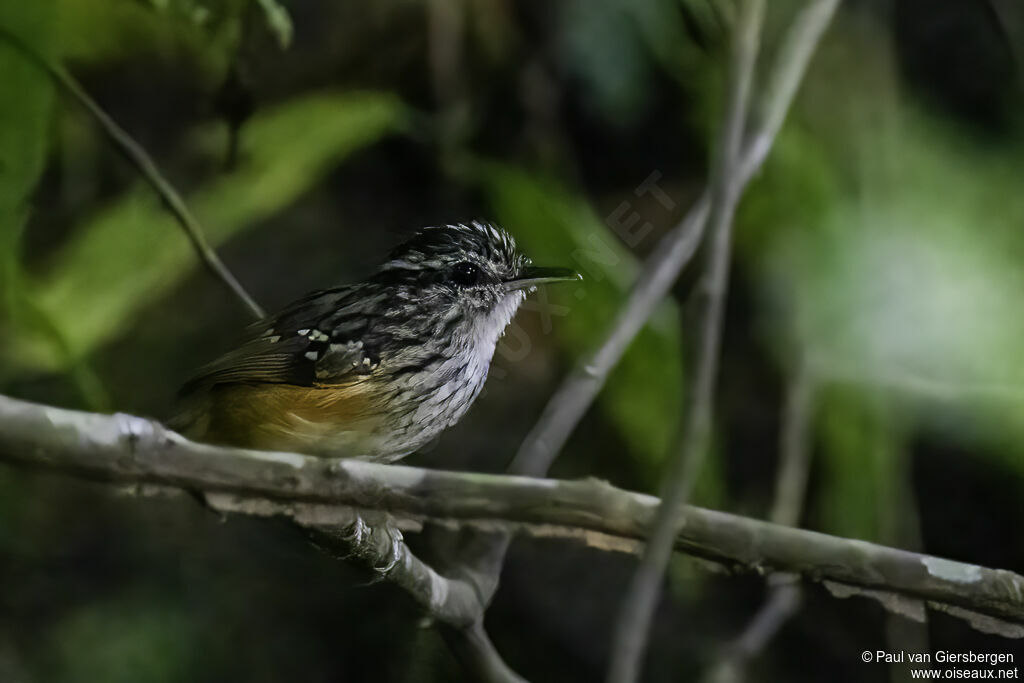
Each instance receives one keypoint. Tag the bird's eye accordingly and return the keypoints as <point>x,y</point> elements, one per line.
<point>465,274</point>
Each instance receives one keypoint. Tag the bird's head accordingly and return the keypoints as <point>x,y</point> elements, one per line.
<point>474,267</point>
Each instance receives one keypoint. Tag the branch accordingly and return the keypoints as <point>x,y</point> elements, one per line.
<point>343,531</point>
<point>575,395</point>
<point>633,627</point>
<point>785,592</point>
<point>141,160</point>
<point>125,448</point>
<point>798,47</point>
<point>795,447</point>
<point>474,649</point>
<point>570,402</point>
<point>456,603</point>
<point>782,603</point>
<point>736,165</point>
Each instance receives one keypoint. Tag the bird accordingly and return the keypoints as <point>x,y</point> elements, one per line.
<point>376,369</point>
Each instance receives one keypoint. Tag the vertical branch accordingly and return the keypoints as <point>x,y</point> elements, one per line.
<point>638,607</point>
<point>795,54</point>
<point>794,448</point>
<point>1009,18</point>
<point>899,523</point>
<point>784,595</point>
<point>478,557</point>
<point>782,603</point>
<point>784,79</point>
<point>446,28</point>
<point>570,402</point>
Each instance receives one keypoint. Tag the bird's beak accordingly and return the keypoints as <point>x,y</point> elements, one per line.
<point>532,277</point>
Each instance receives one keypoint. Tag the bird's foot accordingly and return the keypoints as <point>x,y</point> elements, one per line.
<point>377,542</point>
<point>395,544</point>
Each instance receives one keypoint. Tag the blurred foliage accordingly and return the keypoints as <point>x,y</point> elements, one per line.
<point>206,32</point>
<point>278,21</point>
<point>123,641</point>
<point>24,114</point>
<point>557,226</point>
<point>860,471</point>
<point>889,257</point>
<point>92,300</point>
<point>882,244</point>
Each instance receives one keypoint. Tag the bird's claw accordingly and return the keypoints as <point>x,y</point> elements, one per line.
<point>358,532</point>
<point>395,538</point>
<point>380,544</point>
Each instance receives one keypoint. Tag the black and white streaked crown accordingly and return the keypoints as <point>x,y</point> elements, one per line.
<point>481,243</point>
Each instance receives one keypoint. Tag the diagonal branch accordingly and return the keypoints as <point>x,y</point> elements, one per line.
<point>145,165</point>
<point>573,398</point>
<point>473,647</point>
<point>457,603</point>
<point>343,532</point>
<point>124,448</point>
<point>633,627</point>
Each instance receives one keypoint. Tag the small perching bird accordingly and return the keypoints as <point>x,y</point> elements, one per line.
<point>374,369</point>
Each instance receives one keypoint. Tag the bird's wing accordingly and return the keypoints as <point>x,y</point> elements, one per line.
<point>306,344</point>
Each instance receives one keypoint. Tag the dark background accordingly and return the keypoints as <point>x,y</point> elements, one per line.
<point>882,243</point>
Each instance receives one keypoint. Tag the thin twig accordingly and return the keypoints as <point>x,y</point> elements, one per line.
<point>364,537</point>
<point>794,56</point>
<point>474,649</point>
<point>1009,19</point>
<point>895,504</point>
<point>783,601</point>
<point>370,540</point>
<point>785,592</point>
<point>794,448</point>
<point>798,46</point>
<point>573,398</point>
<point>446,32</point>
<point>570,402</point>
<point>134,450</point>
<point>139,158</point>
<point>633,626</point>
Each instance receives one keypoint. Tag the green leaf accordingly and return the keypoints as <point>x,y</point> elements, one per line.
<point>278,21</point>
<point>26,103</point>
<point>26,107</point>
<point>127,256</point>
<point>199,36</point>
